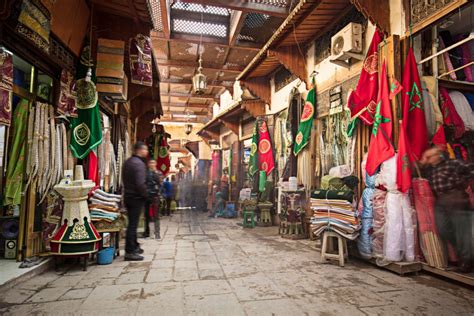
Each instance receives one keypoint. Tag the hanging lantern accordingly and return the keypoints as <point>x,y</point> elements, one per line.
<point>188,128</point>
<point>199,80</point>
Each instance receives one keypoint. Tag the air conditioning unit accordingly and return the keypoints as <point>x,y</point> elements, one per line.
<point>346,45</point>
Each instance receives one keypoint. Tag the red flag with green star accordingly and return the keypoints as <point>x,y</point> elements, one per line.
<point>381,148</point>
<point>413,128</point>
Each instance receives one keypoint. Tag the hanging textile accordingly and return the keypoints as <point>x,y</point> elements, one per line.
<point>378,225</point>
<point>450,115</point>
<point>67,95</point>
<point>463,109</point>
<point>430,242</point>
<point>364,243</point>
<point>34,22</point>
<point>400,218</point>
<point>6,87</point>
<point>163,156</point>
<point>363,101</point>
<point>380,147</point>
<point>140,60</point>
<point>110,65</point>
<point>306,123</point>
<point>265,151</point>
<point>16,161</point>
<point>86,128</point>
<point>253,160</point>
<point>215,167</point>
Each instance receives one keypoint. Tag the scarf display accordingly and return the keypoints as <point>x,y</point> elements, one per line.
<point>16,162</point>
<point>34,22</point>
<point>450,115</point>
<point>6,87</point>
<point>366,211</point>
<point>45,161</point>
<point>141,70</point>
<point>253,160</point>
<point>463,109</point>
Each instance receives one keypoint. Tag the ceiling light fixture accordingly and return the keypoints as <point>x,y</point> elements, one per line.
<point>199,79</point>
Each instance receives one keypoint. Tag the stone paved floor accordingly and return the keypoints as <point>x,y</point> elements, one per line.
<point>214,267</point>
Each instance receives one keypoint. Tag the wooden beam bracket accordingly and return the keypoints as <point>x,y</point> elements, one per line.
<point>233,126</point>
<point>290,57</point>
<point>259,86</point>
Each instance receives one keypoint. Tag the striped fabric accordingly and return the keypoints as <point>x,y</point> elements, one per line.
<point>111,79</point>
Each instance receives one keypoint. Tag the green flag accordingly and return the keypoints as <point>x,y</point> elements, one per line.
<point>253,163</point>
<point>306,122</point>
<point>86,128</point>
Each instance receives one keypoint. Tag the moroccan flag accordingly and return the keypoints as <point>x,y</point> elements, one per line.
<point>306,123</point>
<point>395,88</point>
<point>414,121</point>
<point>265,152</point>
<point>363,101</point>
<point>413,140</point>
<point>380,147</point>
<point>86,128</point>
<point>253,162</point>
<point>163,156</point>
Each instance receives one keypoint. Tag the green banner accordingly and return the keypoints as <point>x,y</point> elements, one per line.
<point>306,123</point>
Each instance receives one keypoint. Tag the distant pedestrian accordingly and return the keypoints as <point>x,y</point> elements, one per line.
<point>135,193</point>
<point>152,205</point>
<point>167,190</point>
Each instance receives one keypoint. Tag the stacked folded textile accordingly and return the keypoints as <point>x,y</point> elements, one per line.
<point>104,206</point>
<point>334,215</point>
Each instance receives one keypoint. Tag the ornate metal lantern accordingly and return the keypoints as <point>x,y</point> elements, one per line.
<point>199,79</point>
<point>188,128</point>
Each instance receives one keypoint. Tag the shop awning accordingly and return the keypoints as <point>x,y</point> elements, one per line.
<point>230,118</point>
<point>308,20</point>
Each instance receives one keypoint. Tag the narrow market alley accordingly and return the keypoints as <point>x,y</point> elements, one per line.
<point>215,267</point>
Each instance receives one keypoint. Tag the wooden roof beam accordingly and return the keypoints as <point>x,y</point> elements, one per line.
<point>210,83</point>
<point>190,95</point>
<point>193,64</point>
<point>216,41</point>
<point>244,6</point>
<point>165,17</point>
<point>237,21</point>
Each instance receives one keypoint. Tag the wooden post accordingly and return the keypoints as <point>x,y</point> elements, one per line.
<point>390,51</point>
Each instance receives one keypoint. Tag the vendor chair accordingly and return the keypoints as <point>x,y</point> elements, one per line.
<point>328,250</point>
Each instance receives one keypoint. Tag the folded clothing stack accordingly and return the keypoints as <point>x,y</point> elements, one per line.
<point>104,206</point>
<point>334,215</point>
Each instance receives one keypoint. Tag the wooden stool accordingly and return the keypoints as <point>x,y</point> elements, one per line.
<point>283,229</point>
<point>327,250</point>
<point>249,219</point>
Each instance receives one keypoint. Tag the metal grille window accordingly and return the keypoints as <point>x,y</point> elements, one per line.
<point>422,9</point>
<point>154,8</point>
<point>276,3</point>
<point>195,27</point>
<point>195,7</point>
<point>246,38</point>
<point>255,20</point>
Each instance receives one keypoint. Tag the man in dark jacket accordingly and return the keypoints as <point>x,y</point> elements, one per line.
<point>134,174</point>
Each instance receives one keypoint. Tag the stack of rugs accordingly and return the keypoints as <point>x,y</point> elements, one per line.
<point>104,206</point>
<point>334,215</point>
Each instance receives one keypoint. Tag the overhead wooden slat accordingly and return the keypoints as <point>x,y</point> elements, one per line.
<point>237,21</point>
<point>165,18</point>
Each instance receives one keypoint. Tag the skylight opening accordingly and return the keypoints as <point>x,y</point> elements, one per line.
<point>196,27</point>
<point>195,7</point>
